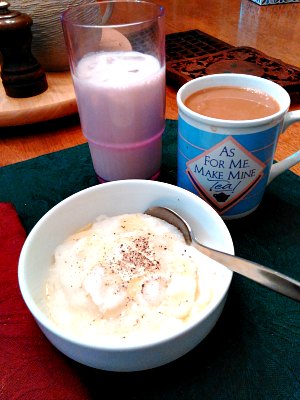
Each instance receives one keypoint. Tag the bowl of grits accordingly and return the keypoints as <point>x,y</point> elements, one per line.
<point>118,290</point>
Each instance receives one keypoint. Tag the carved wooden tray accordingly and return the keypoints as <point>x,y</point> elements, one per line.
<point>219,57</point>
<point>244,60</point>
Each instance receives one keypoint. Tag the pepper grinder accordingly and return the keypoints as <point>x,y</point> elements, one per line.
<point>21,73</point>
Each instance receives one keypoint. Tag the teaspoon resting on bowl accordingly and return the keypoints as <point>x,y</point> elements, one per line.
<point>265,276</point>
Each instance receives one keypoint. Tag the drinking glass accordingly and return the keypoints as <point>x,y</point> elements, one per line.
<point>117,60</point>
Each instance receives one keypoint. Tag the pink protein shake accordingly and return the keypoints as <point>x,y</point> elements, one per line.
<point>121,102</point>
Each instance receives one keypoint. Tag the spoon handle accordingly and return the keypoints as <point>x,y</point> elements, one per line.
<point>265,276</point>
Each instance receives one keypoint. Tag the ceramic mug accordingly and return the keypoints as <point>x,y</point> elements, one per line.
<point>229,163</point>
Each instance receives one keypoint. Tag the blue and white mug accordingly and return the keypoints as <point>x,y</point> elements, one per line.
<point>229,163</point>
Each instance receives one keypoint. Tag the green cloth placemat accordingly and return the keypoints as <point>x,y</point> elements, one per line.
<point>254,350</point>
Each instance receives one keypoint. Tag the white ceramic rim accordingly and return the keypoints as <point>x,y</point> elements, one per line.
<point>241,80</point>
<point>42,319</point>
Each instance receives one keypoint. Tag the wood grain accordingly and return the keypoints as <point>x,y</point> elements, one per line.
<point>57,101</point>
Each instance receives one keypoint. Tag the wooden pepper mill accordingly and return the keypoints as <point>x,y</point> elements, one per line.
<point>21,73</point>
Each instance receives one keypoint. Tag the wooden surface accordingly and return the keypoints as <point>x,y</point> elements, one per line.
<point>271,29</point>
<point>56,102</point>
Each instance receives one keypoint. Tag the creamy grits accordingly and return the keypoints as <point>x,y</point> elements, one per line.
<point>128,278</point>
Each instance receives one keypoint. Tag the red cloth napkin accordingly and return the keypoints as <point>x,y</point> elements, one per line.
<point>31,368</point>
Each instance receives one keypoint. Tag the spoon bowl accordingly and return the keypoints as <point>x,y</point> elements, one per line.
<point>267,277</point>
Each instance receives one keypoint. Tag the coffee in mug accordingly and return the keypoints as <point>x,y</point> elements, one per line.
<point>226,157</point>
<point>230,102</point>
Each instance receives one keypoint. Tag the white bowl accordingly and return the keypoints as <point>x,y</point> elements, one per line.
<point>115,198</point>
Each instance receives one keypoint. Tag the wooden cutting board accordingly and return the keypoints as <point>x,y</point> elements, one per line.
<point>57,101</point>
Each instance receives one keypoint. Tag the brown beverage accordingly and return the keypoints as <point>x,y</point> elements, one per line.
<point>232,103</point>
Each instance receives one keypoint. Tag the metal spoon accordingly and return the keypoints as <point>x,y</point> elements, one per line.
<point>265,276</point>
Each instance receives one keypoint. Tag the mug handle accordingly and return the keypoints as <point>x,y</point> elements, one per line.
<point>281,166</point>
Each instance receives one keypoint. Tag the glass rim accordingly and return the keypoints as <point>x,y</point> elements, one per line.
<point>68,18</point>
